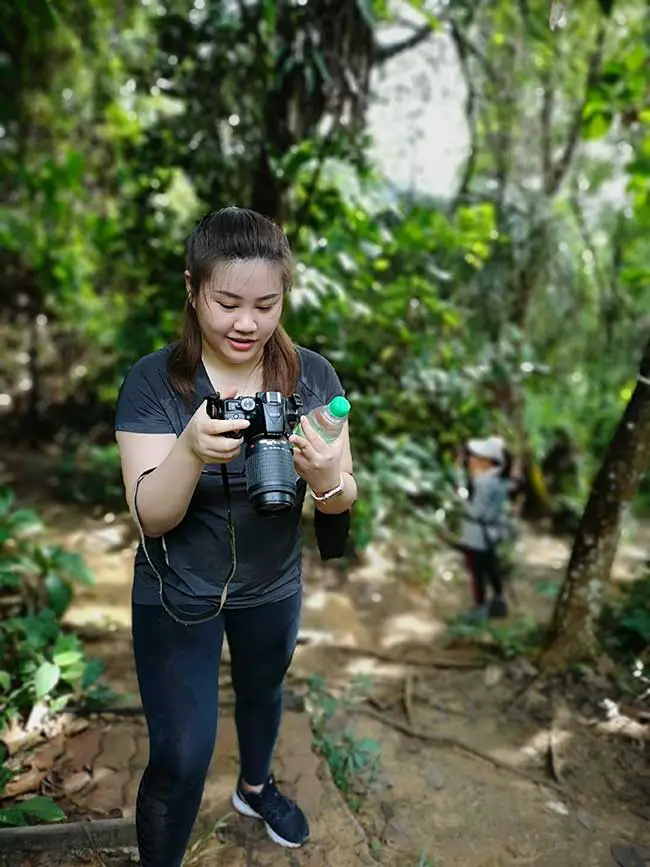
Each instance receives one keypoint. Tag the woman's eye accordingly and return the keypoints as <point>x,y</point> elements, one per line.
<point>228,306</point>
<point>266,309</point>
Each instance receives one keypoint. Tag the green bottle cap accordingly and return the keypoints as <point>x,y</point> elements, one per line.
<point>339,407</point>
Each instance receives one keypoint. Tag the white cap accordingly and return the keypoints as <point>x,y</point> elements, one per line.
<point>492,448</point>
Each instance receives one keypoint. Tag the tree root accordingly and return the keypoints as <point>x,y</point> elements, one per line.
<point>408,696</point>
<point>461,746</point>
<point>403,658</point>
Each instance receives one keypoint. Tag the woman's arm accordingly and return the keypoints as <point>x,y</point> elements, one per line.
<point>163,495</point>
<point>348,496</point>
<point>324,466</point>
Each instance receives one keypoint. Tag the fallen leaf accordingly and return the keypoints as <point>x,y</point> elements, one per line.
<point>25,783</point>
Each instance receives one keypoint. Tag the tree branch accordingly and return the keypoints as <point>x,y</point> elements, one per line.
<point>587,240</point>
<point>470,116</point>
<point>384,53</point>
<point>471,49</point>
<point>561,168</point>
<point>546,123</point>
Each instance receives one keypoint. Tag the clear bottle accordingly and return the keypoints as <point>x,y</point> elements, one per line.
<point>328,421</point>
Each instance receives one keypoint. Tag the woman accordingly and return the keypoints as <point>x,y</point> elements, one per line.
<point>484,525</point>
<point>206,558</point>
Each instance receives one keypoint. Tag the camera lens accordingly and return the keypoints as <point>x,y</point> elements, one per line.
<point>270,475</point>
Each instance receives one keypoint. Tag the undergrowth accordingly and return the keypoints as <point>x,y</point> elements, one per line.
<point>43,666</point>
<point>624,632</point>
<point>353,761</point>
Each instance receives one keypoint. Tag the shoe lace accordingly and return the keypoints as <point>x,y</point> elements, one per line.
<point>277,804</point>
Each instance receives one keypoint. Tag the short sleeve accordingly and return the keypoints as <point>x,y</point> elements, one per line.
<point>140,407</point>
<point>332,383</point>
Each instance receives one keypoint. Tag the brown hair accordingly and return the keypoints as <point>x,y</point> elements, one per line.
<point>222,237</point>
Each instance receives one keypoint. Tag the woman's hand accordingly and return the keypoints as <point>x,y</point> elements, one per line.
<point>205,436</point>
<point>316,461</point>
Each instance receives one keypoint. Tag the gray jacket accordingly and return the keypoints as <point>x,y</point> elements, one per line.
<point>484,513</point>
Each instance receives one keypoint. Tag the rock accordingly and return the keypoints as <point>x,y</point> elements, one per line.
<point>522,669</point>
<point>585,820</point>
<point>385,781</point>
<point>535,701</point>
<point>434,779</point>
<point>557,807</point>
<point>493,674</point>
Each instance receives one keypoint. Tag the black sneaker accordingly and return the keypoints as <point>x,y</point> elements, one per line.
<point>498,609</point>
<point>286,824</point>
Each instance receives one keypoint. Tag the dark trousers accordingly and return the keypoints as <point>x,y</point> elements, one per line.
<point>178,677</point>
<point>485,572</point>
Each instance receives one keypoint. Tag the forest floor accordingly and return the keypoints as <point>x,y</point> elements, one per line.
<point>467,774</point>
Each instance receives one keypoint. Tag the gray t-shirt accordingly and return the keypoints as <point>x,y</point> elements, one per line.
<point>197,558</point>
<point>484,513</point>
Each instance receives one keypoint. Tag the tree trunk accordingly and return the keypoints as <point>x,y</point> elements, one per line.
<point>573,635</point>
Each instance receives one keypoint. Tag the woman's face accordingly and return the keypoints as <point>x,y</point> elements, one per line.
<point>477,465</point>
<point>239,309</point>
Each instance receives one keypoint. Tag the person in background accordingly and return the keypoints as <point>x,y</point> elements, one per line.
<point>483,524</point>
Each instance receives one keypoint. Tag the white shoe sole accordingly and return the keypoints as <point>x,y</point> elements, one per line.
<point>244,810</point>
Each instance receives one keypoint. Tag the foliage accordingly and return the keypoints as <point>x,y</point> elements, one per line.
<point>353,761</point>
<point>91,474</point>
<point>30,811</point>
<point>42,663</point>
<point>625,621</point>
<point>444,318</point>
<point>521,635</point>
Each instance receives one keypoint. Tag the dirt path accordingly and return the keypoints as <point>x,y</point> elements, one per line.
<point>430,804</point>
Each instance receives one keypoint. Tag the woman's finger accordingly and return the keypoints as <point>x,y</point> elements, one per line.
<point>299,442</point>
<point>309,433</point>
<point>223,454</point>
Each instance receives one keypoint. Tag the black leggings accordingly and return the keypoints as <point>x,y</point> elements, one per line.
<point>486,570</point>
<point>178,676</point>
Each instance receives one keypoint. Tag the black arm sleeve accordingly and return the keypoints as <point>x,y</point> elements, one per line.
<point>332,531</point>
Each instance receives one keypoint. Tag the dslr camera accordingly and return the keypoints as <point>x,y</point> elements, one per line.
<point>270,473</point>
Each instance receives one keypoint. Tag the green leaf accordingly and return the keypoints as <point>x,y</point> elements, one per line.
<point>60,703</point>
<point>597,124</point>
<point>5,681</point>
<point>640,166</point>
<point>46,678</point>
<point>606,7</point>
<point>368,745</point>
<point>12,817</point>
<point>67,658</point>
<point>72,565</point>
<point>92,672</point>
<point>59,594</point>
<point>24,521</point>
<point>42,808</point>
<point>73,673</point>
<point>6,501</point>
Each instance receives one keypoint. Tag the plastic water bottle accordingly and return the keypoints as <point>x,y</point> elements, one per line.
<point>328,421</point>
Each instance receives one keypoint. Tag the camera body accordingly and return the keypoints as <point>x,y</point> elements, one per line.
<point>270,413</point>
<point>270,473</point>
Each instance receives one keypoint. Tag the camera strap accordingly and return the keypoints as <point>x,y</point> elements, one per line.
<point>189,618</point>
